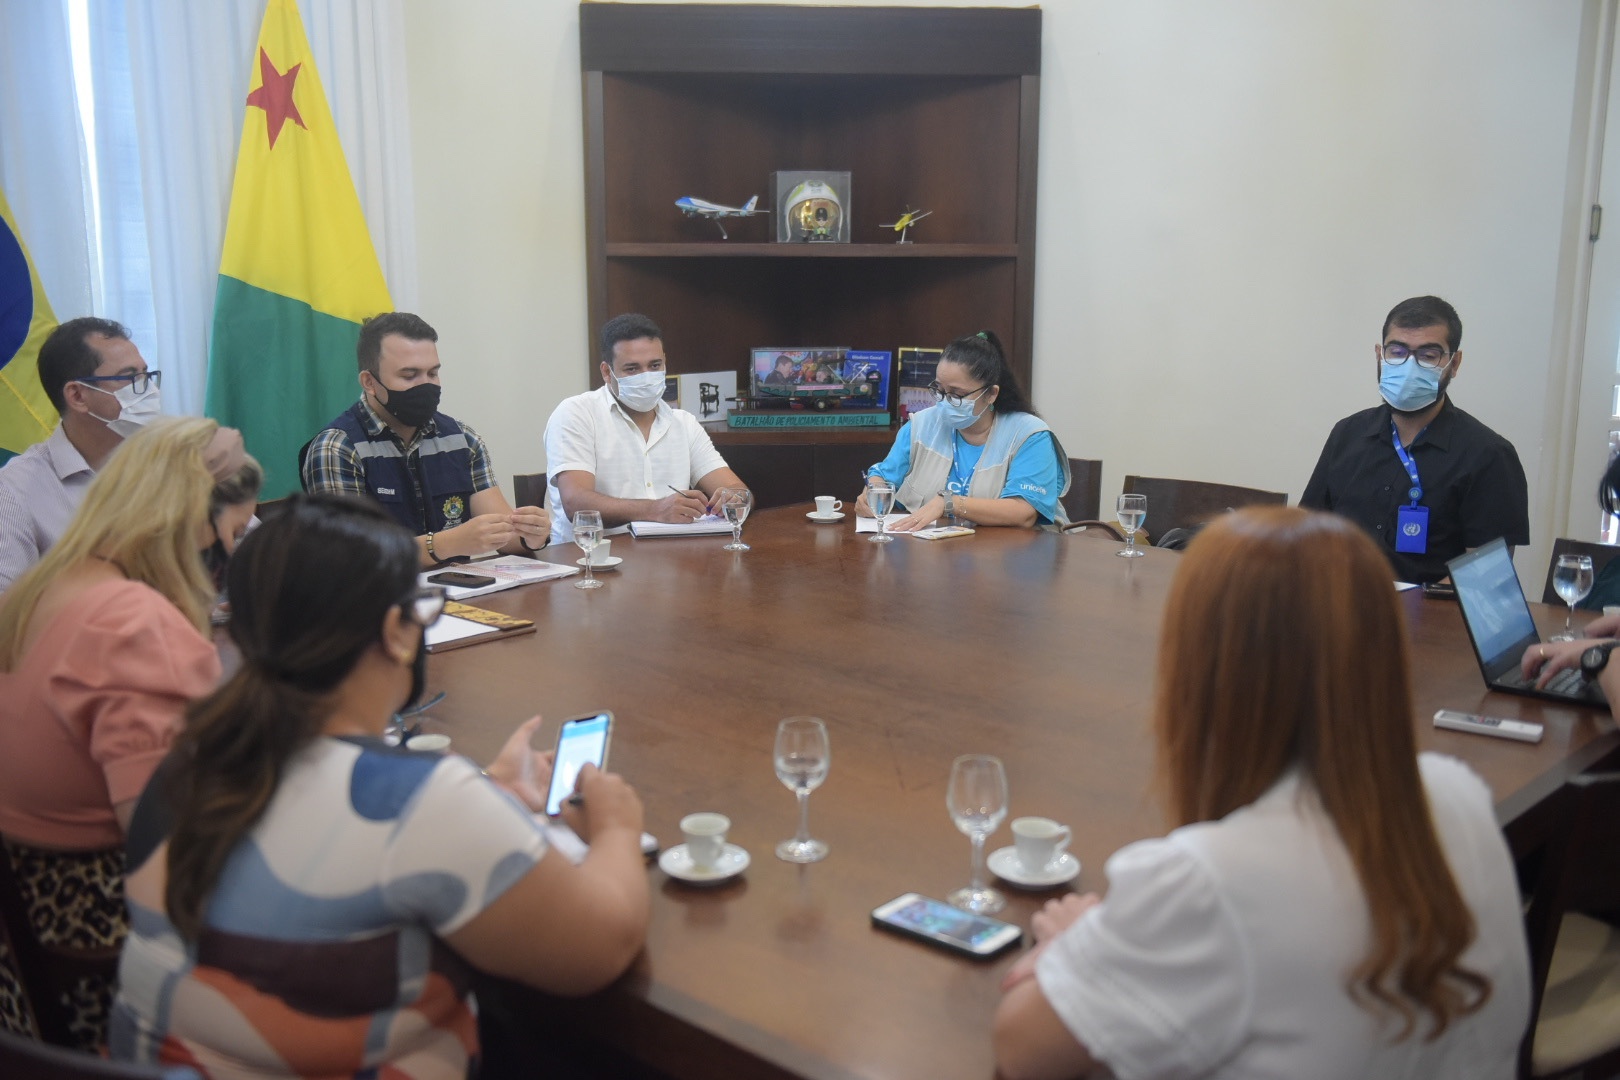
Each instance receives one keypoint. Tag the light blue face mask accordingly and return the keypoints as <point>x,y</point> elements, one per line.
<point>958,417</point>
<point>1408,387</point>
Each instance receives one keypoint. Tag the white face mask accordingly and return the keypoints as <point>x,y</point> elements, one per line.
<point>135,411</point>
<point>642,392</point>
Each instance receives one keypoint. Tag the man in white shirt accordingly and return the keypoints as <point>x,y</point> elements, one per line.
<point>621,450</point>
<point>100,385</point>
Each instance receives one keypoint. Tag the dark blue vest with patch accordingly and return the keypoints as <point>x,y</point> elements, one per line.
<point>442,464</point>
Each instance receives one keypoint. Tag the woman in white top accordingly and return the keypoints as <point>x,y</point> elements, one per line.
<point>1331,904</point>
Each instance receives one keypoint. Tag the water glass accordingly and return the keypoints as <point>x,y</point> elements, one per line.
<point>880,497</point>
<point>802,759</point>
<point>977,800</point>
<point>1131,511</point>
<point>1572,580</point>
<point>735,504</point>
<point>587,534</point>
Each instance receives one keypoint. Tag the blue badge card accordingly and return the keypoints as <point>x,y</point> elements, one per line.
<point>1412,530</point>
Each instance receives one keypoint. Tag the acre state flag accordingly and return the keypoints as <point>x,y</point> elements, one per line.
<point>298,274</point>
<point>26,414</point>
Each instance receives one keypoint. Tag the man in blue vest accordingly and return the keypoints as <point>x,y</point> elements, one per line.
<point>432,473</point>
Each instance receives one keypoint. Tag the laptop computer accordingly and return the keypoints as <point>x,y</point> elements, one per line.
<point>1500,627</point>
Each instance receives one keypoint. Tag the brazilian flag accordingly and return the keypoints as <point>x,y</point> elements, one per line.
<point>26,414</point>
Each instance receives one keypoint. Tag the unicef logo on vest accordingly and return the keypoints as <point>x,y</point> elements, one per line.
<point>1411,528</point>
<point>453,509</point>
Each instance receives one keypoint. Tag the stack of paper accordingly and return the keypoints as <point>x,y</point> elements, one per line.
<point>707,525</point>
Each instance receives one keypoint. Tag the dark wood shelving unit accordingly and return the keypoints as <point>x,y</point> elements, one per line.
<point>932,108</point>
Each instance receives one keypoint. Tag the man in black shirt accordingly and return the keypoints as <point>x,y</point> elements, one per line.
<point>1427,480</point>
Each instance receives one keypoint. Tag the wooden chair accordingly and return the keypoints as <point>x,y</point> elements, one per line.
<point>529,489</point>
<point>1084,499</point>
<point>1601,554</point>
<point>1574,958</point>
<point>1178,504</point>
<point>1100,530</point>
<point>47,972</point>
<point>25,1059</point>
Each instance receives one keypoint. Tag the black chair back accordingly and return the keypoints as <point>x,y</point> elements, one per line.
<point>1600,553</point>
<point>1180,504</point>
<point>25,1059</point>
<point>1083,501</point>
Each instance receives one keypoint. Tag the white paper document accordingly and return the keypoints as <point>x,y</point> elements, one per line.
<point>453,628</point>
<point>509,572</point>
<point>868,524</point>
<point>707,525</point>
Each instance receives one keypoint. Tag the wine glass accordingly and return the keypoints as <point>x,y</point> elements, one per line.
<point>587,534</point>
<point>735,504</point>
<point>1572,580</point>
<point>802,758</point>
<point>977,799</point>
<point>1131,511</point>
<point>880,497</point>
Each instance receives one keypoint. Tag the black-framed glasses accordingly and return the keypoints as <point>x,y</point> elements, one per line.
<point>1432,357</point>
<point>426,605</point>
<point>140,381</point>
<point>955,399</point>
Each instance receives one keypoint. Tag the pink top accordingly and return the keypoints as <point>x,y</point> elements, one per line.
<point>92,709</point>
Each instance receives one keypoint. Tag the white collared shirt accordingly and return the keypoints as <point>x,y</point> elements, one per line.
<point>40,491</point>
<point>593,433</point>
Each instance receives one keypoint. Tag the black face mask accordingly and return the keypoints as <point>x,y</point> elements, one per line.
<point>415,406</point>
<point>418,675</point>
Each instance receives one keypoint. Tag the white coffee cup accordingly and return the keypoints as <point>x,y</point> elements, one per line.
<point>827,506</point>
<point>1039,842</point>
<point>705,835</point>
<point>1611,609</point>
<point>428,742</point>
<point>602,551</point>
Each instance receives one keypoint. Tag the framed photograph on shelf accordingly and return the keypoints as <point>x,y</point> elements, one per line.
<point>708,395</point>
<point>811,207</point>
<point>917,371</point>
<point>865,376</point>
<point>797,374</point>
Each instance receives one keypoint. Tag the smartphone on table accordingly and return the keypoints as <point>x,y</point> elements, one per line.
<point>941,924</point>
<point>582,741</point>
<point>456,579</point>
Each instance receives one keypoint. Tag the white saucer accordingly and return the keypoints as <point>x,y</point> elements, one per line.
<point>678,864</point>
<point>601,564</point>
<point>1004,864</point>
<point>824,519</point>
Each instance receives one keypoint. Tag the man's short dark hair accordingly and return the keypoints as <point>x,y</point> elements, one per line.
<point>1421,311</point>
<point>627,327</point>
<point>373,330</point>
<point>68,356</point>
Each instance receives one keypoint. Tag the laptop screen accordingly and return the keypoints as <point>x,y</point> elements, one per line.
<point>1493,605</point>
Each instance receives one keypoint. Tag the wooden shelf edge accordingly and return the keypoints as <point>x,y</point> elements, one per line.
<point>722,249</point>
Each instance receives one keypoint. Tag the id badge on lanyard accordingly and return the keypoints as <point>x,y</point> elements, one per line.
<point>1412,520</point>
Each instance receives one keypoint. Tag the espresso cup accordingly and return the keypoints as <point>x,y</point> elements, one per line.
<point>428,742</point>
<point>705,835</point>
<point>1039,842</point>
<point>601,552</point>
<point>1611,609</point>
<point>827,506</point>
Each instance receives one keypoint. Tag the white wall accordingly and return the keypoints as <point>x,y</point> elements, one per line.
<point>1231,197</point>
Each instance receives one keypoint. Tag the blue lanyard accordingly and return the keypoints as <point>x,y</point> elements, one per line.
<point>1416,491</point>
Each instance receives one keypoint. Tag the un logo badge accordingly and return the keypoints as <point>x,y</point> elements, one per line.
<point>1411,528</point>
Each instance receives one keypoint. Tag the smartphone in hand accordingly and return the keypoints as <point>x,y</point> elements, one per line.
<point>582,741</point>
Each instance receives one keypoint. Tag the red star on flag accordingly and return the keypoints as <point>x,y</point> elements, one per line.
<point>275,96</point>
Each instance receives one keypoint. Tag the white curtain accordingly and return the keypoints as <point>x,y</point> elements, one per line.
<point>170,84</point>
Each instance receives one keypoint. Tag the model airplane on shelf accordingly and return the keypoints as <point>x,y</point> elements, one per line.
<point>906,221</point>
<point>703,208</point>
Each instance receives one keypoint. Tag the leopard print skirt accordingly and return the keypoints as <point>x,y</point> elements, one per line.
<point>76,901</point>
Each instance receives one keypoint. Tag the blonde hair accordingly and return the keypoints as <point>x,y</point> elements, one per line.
<point>143,513</point>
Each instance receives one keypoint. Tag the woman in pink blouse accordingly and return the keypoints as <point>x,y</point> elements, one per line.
<point>103,643</point>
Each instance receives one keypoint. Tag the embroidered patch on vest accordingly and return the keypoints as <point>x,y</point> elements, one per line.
<point>452,509</point>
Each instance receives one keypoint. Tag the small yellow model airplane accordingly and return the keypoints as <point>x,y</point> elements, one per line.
<point>906,221</point>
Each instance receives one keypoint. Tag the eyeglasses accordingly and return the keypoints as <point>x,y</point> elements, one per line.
<point>141,381</point>
<point>426,605</point>
<point>1432,357</point>
<point>955,399</point>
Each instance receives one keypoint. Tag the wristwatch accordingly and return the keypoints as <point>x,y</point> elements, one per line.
<point>1595,659</point>
<point>950,503</point>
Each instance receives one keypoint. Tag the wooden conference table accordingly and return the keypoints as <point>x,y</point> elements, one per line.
<point>1036,647</point>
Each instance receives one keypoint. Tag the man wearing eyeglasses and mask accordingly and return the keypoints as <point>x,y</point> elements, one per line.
<point>1424,478</point>
<point>622,451</point>
<point>431,472</point>
<point>103,391</point>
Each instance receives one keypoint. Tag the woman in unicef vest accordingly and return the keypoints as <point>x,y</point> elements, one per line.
<point>981,455</point>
